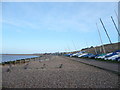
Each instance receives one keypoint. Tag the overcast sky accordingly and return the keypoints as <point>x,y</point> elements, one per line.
<point>50,26</point>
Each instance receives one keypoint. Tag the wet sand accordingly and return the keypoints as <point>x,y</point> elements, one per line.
<point>56,72</point>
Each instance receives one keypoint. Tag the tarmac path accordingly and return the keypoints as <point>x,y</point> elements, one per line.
<point>110,66</point>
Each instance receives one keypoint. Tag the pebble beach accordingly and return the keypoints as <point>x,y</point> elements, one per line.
<point>51,71</point>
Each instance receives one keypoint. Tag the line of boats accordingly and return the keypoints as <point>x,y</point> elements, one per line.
<point>114,56</point>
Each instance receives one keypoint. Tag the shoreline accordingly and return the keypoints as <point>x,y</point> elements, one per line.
<point>20,60</point>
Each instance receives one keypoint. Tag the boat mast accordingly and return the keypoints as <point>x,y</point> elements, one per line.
<point>105,31</point>
<point>115,25</point>
<point>74,45</point>
<point>100,39</point>
<point>95,49</point>
<point>117,17</point>
<point>68,48</point>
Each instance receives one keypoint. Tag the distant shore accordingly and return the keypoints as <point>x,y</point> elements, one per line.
<point>90,49</point>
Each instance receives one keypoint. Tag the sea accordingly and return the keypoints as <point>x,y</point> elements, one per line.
<point>5,58</point>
